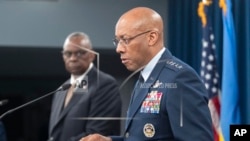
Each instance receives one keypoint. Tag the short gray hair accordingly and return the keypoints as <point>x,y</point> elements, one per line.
<point>85,41</point>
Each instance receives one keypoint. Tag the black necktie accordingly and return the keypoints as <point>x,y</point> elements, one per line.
<point>138,86</point>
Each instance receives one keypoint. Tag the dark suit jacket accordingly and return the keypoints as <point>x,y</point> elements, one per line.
<point>2,132</point>
<point>101,98</point>
<point>172,105</point>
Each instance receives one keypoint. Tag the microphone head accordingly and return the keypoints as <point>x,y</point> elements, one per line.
<point>3,102</point>
<point>65,86</point>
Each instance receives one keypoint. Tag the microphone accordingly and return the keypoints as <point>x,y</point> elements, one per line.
<point>3,102</point>
<point>63,87</point>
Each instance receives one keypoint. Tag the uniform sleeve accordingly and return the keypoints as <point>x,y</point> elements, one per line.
<point>187,107</point>
<point>116,138</point>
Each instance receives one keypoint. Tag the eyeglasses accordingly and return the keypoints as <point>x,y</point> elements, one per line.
<point>77,54</point>
<point>126,41</point>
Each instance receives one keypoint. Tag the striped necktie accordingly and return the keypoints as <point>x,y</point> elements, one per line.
<point>69,94</point>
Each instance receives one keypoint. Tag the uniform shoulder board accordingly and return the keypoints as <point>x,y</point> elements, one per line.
<point>174,65</point>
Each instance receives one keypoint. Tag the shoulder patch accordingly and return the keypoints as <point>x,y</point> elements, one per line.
<point>174,65</point>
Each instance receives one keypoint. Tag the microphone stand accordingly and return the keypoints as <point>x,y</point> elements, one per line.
<point>64,87</point>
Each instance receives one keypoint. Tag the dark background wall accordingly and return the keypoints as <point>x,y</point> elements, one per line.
<point>31,37</point>
<point>32,33</point>
<point>47,22</point>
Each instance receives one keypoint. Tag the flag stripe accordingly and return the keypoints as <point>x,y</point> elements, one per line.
<point>209,73</point>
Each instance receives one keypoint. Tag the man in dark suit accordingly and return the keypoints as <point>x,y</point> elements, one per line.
<point>89,105</point>
<point>170,102</point>
<point>2,132</point>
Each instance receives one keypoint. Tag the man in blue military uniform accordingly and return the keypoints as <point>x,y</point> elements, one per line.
<point>170,102</point>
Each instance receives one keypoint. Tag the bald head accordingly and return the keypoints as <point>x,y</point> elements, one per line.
<point>141,18</point>
<point>139,36</point>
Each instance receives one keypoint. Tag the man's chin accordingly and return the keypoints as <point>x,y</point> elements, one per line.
<point>76,73</point>
<point>130,68</point>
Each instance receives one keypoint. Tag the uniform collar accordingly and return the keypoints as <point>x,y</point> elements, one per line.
<point>150,66</point>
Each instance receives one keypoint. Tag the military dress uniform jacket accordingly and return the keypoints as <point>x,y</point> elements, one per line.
<point>97,97</point>
<point>172,105</point>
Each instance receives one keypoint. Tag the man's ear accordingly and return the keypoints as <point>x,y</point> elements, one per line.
<point>92,56</point>
<point>152,38</point>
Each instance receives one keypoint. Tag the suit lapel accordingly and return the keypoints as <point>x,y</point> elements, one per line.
<point>60,96</point>
<point>75,98</point>
<point>60,111</point>
<point>136,104</point>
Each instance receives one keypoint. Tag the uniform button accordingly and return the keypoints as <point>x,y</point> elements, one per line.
<point>127,134</point>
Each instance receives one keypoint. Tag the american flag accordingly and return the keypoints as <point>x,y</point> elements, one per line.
<point>208,72</point>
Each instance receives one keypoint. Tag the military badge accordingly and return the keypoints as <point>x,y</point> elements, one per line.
<point>152,103</point>
<point>149,130</point>
<point>158,84</point>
